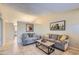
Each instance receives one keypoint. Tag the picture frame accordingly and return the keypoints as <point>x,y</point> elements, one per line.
<point>29,27</point>
<point>58,25</point>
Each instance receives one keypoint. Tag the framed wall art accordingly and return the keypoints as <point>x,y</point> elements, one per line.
<point>59,25</point>
<point>29,27</point>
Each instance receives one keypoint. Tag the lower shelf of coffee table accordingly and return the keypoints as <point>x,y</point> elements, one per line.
<point>47,50</point>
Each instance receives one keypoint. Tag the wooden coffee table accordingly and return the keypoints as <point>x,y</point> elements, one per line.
<point>46,47</point>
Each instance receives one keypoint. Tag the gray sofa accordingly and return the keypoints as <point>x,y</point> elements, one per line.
<point>62,45</point>
<point>28,38</point>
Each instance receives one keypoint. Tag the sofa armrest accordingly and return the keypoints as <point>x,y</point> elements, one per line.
<point>66,40</point>
<point>51,40</point>
<point>61,42</point>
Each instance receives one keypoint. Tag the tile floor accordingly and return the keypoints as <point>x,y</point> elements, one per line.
<point>33,50</point>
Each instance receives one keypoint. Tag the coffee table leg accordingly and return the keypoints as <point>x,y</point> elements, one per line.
<point>37,44</point>
<point>50,50</point>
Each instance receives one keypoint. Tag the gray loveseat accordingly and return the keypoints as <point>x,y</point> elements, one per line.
<point>28,38</point>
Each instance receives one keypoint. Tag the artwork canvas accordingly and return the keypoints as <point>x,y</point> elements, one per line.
<point>29,27</point>
<point>59,25</point>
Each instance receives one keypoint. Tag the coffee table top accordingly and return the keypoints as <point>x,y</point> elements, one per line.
<point>47,43</point>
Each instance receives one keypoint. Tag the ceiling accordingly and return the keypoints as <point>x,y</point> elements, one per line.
<point>42,8</point>
<point>34,12</point>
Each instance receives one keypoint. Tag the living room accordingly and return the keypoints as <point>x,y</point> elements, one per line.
<point>17,18</point>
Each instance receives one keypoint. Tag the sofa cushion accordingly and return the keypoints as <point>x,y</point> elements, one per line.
<point>53,37</point>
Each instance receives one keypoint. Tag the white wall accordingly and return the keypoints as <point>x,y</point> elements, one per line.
<point>1,33</point>
<point>8,35</point>
<point>21,28</point>
<point>9,31</point>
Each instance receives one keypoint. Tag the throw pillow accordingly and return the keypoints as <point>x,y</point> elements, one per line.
<point>63,37</point>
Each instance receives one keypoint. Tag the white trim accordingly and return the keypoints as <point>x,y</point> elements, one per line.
<point>74,48</point>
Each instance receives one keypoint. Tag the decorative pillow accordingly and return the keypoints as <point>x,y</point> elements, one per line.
<point>63,37</point>
<point>30,34</point>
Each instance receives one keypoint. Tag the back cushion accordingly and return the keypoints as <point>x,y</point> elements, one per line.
<point>31,34</point>
<point>53,36</point>
<point>24,36</point>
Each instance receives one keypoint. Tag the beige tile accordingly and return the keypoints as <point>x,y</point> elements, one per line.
<point>33,50</point>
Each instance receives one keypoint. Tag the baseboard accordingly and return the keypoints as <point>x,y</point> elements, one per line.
<point>74,48</point>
